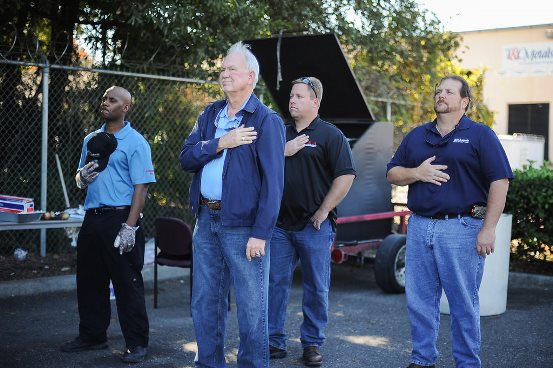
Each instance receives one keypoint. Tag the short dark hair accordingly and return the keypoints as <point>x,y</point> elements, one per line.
<point>465,89</point>
<point>314,84</point>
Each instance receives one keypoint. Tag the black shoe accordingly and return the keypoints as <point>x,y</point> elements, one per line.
<point>276,353</point>
<point>312,357</point>
<point>134,355</point>
<point>79,344</point>
<point>415,365</point>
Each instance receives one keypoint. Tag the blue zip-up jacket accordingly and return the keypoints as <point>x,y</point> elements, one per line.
<point>253,174</point>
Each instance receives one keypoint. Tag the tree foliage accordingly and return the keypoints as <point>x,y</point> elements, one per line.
<point>382,35</point>
<point>398,51</point>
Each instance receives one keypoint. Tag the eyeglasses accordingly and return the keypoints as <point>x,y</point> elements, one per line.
<point>307,81</point>
<point>443,140</point>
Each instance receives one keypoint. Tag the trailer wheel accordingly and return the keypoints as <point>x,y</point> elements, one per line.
<point>389,265</point>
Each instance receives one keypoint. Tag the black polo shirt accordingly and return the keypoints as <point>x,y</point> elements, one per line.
<point>308,174</point>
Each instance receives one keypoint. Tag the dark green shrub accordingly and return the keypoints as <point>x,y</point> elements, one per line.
<point>530,200</point>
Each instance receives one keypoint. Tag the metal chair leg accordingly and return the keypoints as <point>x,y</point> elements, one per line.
<point>155,282</point>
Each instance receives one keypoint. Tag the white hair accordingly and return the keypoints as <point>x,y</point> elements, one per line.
<point>251,61</point>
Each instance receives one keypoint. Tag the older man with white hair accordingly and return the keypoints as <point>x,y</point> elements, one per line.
<point>236,153</point>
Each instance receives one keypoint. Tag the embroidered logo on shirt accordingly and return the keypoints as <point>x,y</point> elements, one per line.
<point>311,144</point>
<point>461,140</point>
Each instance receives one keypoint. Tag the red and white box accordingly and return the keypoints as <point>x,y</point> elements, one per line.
<point>16,204</point>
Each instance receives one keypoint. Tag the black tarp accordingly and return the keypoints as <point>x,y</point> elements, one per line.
<point>344,105</point>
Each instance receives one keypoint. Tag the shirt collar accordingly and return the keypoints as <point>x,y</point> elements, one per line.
<point>250,104</point>
<point>121,133</point>
<point>461,125</point>
<point>312,126</point>
<point>464,123</point>
<point>223,121</point>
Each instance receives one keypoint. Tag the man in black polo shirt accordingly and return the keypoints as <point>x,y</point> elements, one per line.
<point>318,174</point>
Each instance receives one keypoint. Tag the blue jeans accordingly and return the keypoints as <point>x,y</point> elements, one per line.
<point>442,254</point>
<point>312,248</point>
<point>219,259</point>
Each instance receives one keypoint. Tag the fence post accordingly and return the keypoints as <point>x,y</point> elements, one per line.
<point>44,153</point>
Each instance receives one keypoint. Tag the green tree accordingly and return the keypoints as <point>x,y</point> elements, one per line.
<point>382,35</point>
<point>397,51</point>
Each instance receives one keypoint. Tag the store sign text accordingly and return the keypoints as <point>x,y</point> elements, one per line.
<point>528,59</point>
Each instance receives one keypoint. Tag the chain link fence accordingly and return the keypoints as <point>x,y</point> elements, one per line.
<point>164,110</point>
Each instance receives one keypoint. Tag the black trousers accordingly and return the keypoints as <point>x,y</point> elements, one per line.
<point>98,261</point>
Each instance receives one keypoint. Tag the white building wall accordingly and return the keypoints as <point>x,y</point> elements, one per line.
<point>506,82</point>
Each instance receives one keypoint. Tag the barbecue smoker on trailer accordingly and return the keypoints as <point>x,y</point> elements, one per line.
<point>366,214</point>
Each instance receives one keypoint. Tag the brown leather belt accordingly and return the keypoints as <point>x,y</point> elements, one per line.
<point>210,203</point>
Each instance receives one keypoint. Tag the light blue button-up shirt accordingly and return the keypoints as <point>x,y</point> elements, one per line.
<point>128,165</point>
<point>212,174</point>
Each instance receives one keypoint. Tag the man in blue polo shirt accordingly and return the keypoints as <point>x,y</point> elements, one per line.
<point>318,174</point>
<point>115,168</point>
<point>458,177</point>
<point>236,153</point>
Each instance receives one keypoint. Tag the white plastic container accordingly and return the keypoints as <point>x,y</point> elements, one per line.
<point>493,290</point>
<point>521,149</point>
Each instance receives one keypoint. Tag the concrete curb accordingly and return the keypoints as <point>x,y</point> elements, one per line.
<point>528,280</point>
<point>68,282</point>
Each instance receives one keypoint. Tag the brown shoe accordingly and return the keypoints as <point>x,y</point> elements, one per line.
<point>414,365</point>
<point>276,353</point>
<point>312,357</point>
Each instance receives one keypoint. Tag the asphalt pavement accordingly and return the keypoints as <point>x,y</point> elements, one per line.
<point>367,328</point>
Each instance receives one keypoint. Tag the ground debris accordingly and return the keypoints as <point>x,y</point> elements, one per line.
<point>36,266</point>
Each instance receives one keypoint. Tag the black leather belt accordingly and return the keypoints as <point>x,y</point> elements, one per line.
<point>446,216</point>
<point>101,210</point>
<point>211,203</point>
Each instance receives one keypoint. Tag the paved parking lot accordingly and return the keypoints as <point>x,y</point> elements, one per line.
<point>367,328</point>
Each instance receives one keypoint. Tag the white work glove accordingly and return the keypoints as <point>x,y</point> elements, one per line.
<point>87,175</point>
<point>125,239</point>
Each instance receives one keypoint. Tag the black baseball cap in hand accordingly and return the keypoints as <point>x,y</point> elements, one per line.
<point>99,148</point>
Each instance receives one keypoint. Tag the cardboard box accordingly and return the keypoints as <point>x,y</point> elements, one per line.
<point>16,204</point>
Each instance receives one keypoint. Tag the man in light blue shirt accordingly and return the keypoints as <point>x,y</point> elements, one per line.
<point>115,168</point>
<point>212,174</point>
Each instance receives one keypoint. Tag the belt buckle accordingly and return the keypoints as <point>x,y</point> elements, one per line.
<point>214,205</point>
<point>478,211</point>
<point>97,211</point>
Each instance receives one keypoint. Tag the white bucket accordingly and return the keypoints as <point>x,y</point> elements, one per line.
<point>493,290</point>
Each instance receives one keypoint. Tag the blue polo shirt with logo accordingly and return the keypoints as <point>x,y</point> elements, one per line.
<point>128,165</point>
<point>308,175</point>
<point>474,158</point>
